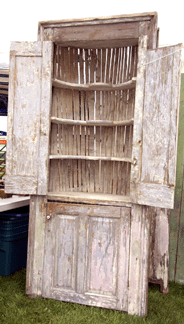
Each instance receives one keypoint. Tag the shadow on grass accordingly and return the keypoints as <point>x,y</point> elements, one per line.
<point>17,308</point>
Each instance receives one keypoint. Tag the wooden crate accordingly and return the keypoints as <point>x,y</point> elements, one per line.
<point>102,136</point>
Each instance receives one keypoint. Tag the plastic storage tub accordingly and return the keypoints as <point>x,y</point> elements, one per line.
<point>13,240</point>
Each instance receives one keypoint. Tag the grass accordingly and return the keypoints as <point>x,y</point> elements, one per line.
<point>17,308</point>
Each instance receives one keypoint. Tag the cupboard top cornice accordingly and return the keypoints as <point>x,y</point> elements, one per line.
<point>99,20</point>
<point>100,32</point>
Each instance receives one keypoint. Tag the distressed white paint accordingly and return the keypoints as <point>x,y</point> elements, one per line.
<point>29,104</point>
<point>155,144</point>
<point>159,248</point>
<point>35,253</point>
<point>83,254</point>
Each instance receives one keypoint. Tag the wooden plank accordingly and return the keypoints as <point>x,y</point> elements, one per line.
<point>4,79</point>
<point>90,198</point>
<point>26,49</point>
<point>96,86</point>
<point>159,248</point>
<point>4,72</point>
<point>147,16</point>
<point>92,122</point>
<point>138,267</point>
<point>95,33</point>
<point>123,260</point>
<point>138,114</point>
<point>155,195</point>
<point>3,86</point>
<point>9,159</point>
<point>83,210</point>
<point>153,40</point>
<point>36,235</point>
<point>19,184</point>
<point>82,254</point>
<point>45,110</point>
<point>174,121</point>
<point>5,92</point>
<point>13,202</point>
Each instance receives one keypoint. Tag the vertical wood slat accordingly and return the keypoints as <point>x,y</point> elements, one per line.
<point>35,255</point>
<point>111,178</point>
<point>114,65</point>
<point>138,266</point>
<point>159,248</point>
<point>47,72</point>
<point>9,160</point>
<point>138,115</point>
<point>104,65</point>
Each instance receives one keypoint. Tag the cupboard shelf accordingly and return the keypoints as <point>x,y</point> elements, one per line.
<point>97,86</point>
<point>90,198</point>
<point>63,121</point>
<point>90,158</point>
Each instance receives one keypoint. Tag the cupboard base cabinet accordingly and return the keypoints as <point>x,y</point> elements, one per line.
<point>96,255</point>
<point>94,145</point>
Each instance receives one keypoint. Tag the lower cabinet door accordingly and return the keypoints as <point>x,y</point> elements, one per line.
<point>87,254</point>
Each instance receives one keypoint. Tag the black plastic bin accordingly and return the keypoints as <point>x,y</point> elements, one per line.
<point>13,240</point>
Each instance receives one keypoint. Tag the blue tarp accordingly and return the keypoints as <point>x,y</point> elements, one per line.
<point>3,105</point>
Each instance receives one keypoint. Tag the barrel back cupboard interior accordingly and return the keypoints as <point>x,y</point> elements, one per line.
<point>92,138</point>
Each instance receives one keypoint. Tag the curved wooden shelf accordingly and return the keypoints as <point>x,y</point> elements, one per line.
<point>90,158</point>
<point>62,121</point>
<point>98,86</point>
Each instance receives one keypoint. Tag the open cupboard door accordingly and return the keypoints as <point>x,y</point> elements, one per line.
<point>155,126</point>
<point>28,117</point>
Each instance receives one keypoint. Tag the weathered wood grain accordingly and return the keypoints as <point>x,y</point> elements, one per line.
<point>35,254</point>
<point>20,184</point>
<point>139,256</point>
<point>30,67</point>
<point>155,140</point>
<point>87,133</point>
<point>160,118</point>
<point>99,32</point>
<point>45,110</point>
<point>90,198</point>
<point>26,49</point>
<point>159,248</point>
<point>89,243</point>
<point>155,195</point>
<point>138,113</point>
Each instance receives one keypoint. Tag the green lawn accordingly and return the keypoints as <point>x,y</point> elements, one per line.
<point>17,308</point>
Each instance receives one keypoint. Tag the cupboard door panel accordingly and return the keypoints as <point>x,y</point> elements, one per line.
<point>86,255</point>
<point>155,127</point>
<point>102,256</point>
<point>28,117</point>
<point>65,251</point>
